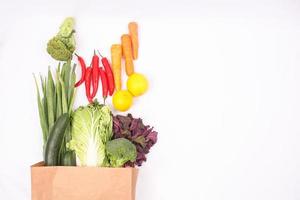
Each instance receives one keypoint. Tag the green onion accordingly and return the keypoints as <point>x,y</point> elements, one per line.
<point>57,97</point>
<point>50,99</point>
<point>43,120</point>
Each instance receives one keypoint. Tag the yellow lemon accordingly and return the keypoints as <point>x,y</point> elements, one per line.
<point>137,84</point>
<point>122,100</point>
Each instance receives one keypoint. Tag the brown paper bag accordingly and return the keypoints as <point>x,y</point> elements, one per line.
<point>82,183</point>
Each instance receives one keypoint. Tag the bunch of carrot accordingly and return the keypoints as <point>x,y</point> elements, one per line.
<point>91,75</point>
<point>129,50</point>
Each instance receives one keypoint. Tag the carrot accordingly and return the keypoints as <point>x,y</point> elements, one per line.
<point>127,52</point>
<point>116,56</point>
<point>133,32</point>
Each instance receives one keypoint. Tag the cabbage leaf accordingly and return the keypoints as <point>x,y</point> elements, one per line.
<point>91,129</point>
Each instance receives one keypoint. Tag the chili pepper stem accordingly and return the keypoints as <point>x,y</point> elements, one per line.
<point>104,99</point>
<point>99,53</point>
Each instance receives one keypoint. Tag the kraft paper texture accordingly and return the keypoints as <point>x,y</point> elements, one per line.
<point>82,183</point>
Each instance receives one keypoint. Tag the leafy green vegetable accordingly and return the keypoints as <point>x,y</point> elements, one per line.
<point>91,128</point>
<point>62,46</point>
<point>120,151</point>
<point>141,135</point>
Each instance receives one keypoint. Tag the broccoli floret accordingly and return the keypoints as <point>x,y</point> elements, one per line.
<point>62,46</point>
<point>69,42</point>
<point>58,49</point>
<point>119,151</point>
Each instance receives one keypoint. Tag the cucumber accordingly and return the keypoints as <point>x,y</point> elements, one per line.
<point>69,159</point>
<point>55,139</point>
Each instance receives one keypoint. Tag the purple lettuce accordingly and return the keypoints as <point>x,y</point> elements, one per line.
<point>133,129</point>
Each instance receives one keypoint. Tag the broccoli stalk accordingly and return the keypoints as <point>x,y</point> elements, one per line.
<point>62,46</point>
<point>119,151</point>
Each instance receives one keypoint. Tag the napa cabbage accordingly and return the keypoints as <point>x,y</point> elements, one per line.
<point>91,129</point>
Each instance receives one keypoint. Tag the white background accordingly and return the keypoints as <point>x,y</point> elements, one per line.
<point>224,95</point>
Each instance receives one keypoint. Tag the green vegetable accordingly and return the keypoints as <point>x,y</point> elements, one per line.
<point>63,95</point>
<point>55,139</point>
<point>57,97</point>
<point>50,90</point>
<point>67,27</point>
<point>58,94</point>
<point>91,128</point>
<point>58,50</point>
<point>62,46</point>
<point>69,159</point>
<point>54,99</point>
<point>120,151</point>
<point>42,114</point>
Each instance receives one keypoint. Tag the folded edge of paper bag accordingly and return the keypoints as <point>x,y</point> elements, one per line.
<point>77,183</point>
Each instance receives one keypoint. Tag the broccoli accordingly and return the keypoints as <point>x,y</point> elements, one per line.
<point>58,49</point>
<point>62,46</point>
<point>119,151</point>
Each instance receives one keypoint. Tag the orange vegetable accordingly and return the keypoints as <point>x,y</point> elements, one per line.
<point>116,56</point>
<point>133,32</point>
<point>127,52</point>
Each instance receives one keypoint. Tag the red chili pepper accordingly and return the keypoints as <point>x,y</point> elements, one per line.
<point>109,73</point>
<point>88,76</point>
<point>95,74</point>
<point>83,69</point>
<point>95,81</point>
<point>104,83</point>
